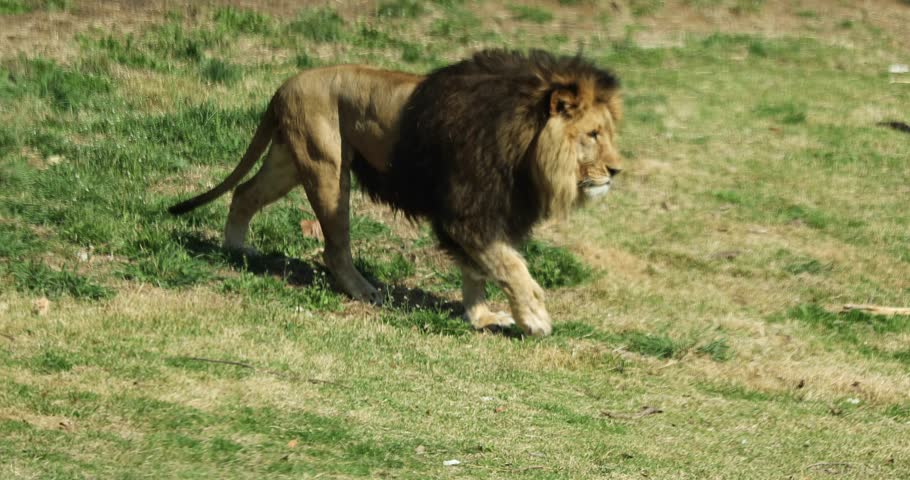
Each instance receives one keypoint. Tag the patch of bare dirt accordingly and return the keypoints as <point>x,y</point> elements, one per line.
<point>42,422</point>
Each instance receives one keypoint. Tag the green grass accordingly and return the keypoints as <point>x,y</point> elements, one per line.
<point>758,194</point>
<point>12,7</point>
<point>401,9</point>
<point>641,8</point>
<point>219,71</point>
<point>15,7</point>
<point>785,113</point>
<point>719,350</point>
<point>317,296</point>
<point>852,327</point>
<point>458,27</point>
<point>386,271</point>
<point>554,266</point>
<point>242,21</point>
<point>427,322</point>
<point>530,14</point>
<point>321,25</point>
<point>38,279</point>
<point>64,88</point>
<point>742,7</point>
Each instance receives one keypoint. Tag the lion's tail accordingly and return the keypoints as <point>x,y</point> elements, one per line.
<point>258,144</point>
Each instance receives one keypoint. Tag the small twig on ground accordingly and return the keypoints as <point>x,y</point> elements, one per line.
<point>251,367</point>
<point>644,412</point>
<point>8,337</point>
<point>845,465</point>
<point>533,467</point>
<point>506,468</point>
<point>899,126</point>
<point>669,363</point>
<point>875,309</point>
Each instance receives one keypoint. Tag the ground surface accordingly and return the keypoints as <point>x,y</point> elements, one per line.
<point>692,335</point>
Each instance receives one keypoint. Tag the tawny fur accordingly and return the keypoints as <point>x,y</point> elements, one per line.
<point>484,149</point>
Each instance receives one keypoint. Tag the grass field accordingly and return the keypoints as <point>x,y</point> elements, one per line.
<point>693,332</point>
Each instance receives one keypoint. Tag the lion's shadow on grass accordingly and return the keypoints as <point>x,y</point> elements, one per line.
<point>299,273</point>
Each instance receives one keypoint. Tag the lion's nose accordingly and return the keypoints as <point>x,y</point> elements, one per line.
<point>614,171</point>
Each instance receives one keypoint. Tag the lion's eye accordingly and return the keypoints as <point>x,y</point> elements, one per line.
<point>593,134</point>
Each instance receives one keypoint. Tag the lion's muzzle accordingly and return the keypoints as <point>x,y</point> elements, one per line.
<point>595,187</point>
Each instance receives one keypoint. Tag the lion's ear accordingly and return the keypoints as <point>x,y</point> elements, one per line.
<point>563,101</point>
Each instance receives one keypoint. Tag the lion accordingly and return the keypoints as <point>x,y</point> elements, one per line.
<point>484,149</point>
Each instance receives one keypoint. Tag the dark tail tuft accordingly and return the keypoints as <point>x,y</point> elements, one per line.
<point>180,208</point>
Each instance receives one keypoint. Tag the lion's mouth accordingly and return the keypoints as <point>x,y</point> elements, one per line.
<point>595,188</point>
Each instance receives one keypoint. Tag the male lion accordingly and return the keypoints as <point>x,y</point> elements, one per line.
<point>484,149</point>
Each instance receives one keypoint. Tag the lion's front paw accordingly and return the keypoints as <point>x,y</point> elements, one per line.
<point>491,321</point>
<point>537,327</point>
<point>535,321</point>
<point>375,297</point>
<point>243,250</point>
<point>369,294</point>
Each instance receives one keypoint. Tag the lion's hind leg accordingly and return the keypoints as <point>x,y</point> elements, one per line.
<point>475,308</point>
<point>505,265</point>
<point>275,179</point>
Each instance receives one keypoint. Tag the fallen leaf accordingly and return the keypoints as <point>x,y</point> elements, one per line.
<point>499,409</point>
<point>292,443</point>
<point>726,254</point>
<point>420,450</point>
<point>311,228</point>
<point>41,306</point>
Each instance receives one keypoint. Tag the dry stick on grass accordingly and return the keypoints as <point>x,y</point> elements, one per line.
<point>8,337</point>
<point>644,412</point>
<point>533,467</point>
<point>875,309</point>
<point>507,468</point>
<point>845,465</point>
<point>251,367</point>
<point>899,126</point>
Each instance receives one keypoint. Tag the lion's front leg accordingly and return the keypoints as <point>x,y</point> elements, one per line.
<point>505,265</point>
<point>475,308</point>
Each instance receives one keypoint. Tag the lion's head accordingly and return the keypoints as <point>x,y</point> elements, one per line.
<point>575,156</point>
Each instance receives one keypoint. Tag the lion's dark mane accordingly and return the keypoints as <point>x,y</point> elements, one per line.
<point>462,157</point>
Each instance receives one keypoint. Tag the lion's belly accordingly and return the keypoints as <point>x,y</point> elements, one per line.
<point>371,140</point>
